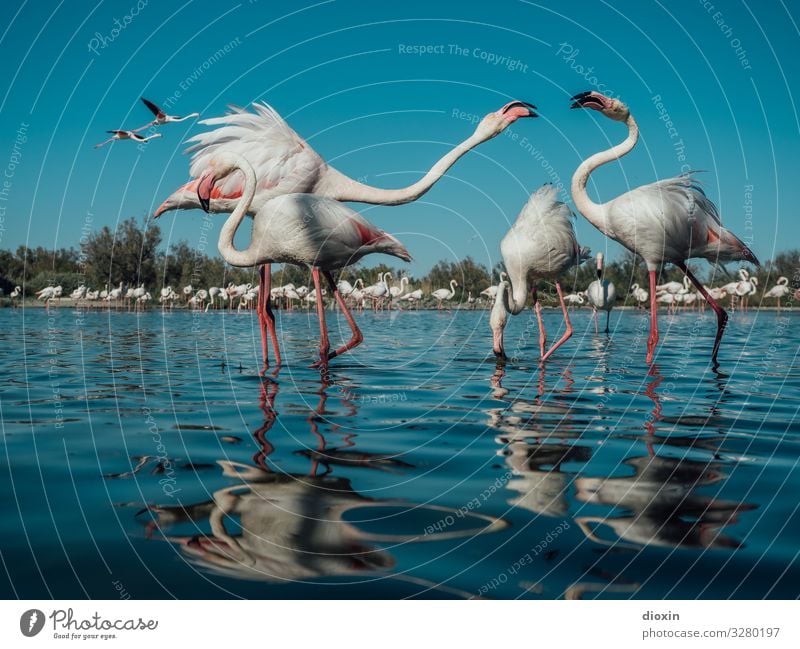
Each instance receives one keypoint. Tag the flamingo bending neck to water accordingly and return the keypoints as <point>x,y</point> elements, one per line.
<point>300,229</point>
<point>668,221</point>
<point>542,243</point>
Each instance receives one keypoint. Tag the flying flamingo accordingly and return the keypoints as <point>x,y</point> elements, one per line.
<point>443,294</point>
<point>601,294</point>
<point>781,289</point>
<point>285,163</point>
<point>670,220</point>
<point>300,229</point>
<point>127,135</point>
<point>542,243</point>
<point>161,117</point>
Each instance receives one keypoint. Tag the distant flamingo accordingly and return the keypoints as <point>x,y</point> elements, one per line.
<point>161,117</point>
<point>541,243</point>
<point>668,221</point>
<point>601,294</point>
<point>126,135</point>
<point>443,295</point>
<point>301,229</point>
<point>640,295</point>
<point>781,289</point>
<point>491,291</point>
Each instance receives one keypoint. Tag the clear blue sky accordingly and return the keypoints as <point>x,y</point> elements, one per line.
<point>342,75</point>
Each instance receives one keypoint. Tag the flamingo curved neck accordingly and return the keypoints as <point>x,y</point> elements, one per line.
<point>514,300</point>
<point>342,188</point>
<point>226,246</point>
<point>594,212</point>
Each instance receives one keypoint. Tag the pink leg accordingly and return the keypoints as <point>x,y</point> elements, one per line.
<point>538,310</point>
<point>357,337</point>
<point>652,339</point>
<point>567,323</point>
<point>594,316</point>
<point>324,344</point>
<point>266,316</point>
<point>722,317</point>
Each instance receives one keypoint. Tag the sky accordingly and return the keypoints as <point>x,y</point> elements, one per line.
<point>382,90</point>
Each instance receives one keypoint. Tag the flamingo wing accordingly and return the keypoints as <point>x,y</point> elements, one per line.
<point>160,114</point>
<point>282,160</point>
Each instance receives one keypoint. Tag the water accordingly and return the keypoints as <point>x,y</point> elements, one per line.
<point>144,457</point>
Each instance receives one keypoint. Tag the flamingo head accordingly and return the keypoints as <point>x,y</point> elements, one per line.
<point>184,197</point>
<point>599,259</point>
<point>611,108</point>
<point>219,167</point>
<point>495,123</point>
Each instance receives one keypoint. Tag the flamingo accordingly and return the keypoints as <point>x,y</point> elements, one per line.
<point>670,220</point>
<point>470,300</point>
<point>601,294</point>
<point>126,135</point>
<point>414,297</point>
<point>745,288</point>
<point>16,295</point>
<point>49,293</point>
<point>396,291</point>
<point>314,231</point>
<point>640,295</point>
<point>161,117</point>
<point>781,289</point>
<point>574,299</point>
<point>376,292</point>
<point>284,163</point>
<point>542,243</point>
<point>442,294</point>
<point>491,291</point>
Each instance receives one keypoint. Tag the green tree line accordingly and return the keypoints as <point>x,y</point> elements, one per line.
<point>132,254</point>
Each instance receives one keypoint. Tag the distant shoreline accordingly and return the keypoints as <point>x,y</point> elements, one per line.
<point>69,303</point>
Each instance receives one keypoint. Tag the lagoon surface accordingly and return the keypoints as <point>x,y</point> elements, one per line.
<point>144,456</point>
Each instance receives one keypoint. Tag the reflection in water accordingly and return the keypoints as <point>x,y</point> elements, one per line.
<point>664,507</point>
<point>276,526</point>
<point>289,527</point>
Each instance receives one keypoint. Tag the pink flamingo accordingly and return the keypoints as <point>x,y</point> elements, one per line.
<point>301,229</point>
<point>668,221</point>
<point>284,163</point>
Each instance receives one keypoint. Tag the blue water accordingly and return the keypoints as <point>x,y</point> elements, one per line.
<point>144,457</point>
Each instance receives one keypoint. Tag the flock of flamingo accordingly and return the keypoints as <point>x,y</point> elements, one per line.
<point>254,164</point>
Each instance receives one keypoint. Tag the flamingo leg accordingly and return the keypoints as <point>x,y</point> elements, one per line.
<point>608,317</point>
<point>324,344</point>
<point>722,316</point>
<point>265,305</point>
<point>594,317</point>
<point>652,339</point>
<point>357,337</point>
<point>538,310</point>
<point>567,333</point>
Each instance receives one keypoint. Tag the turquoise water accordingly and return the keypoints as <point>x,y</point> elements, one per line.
<point>144,457</point>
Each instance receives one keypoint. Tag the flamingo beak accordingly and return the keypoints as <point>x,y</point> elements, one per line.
<point>176,200</point>
<point>204,186</point>
<point>521,109</point>
<point>588,99</point>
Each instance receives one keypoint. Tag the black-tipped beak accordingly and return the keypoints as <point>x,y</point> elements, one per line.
<point>522,104</point>
<point>586,100</point>
<point>205,203</point>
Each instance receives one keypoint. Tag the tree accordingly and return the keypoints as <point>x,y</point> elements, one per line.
<point>127,255</point>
